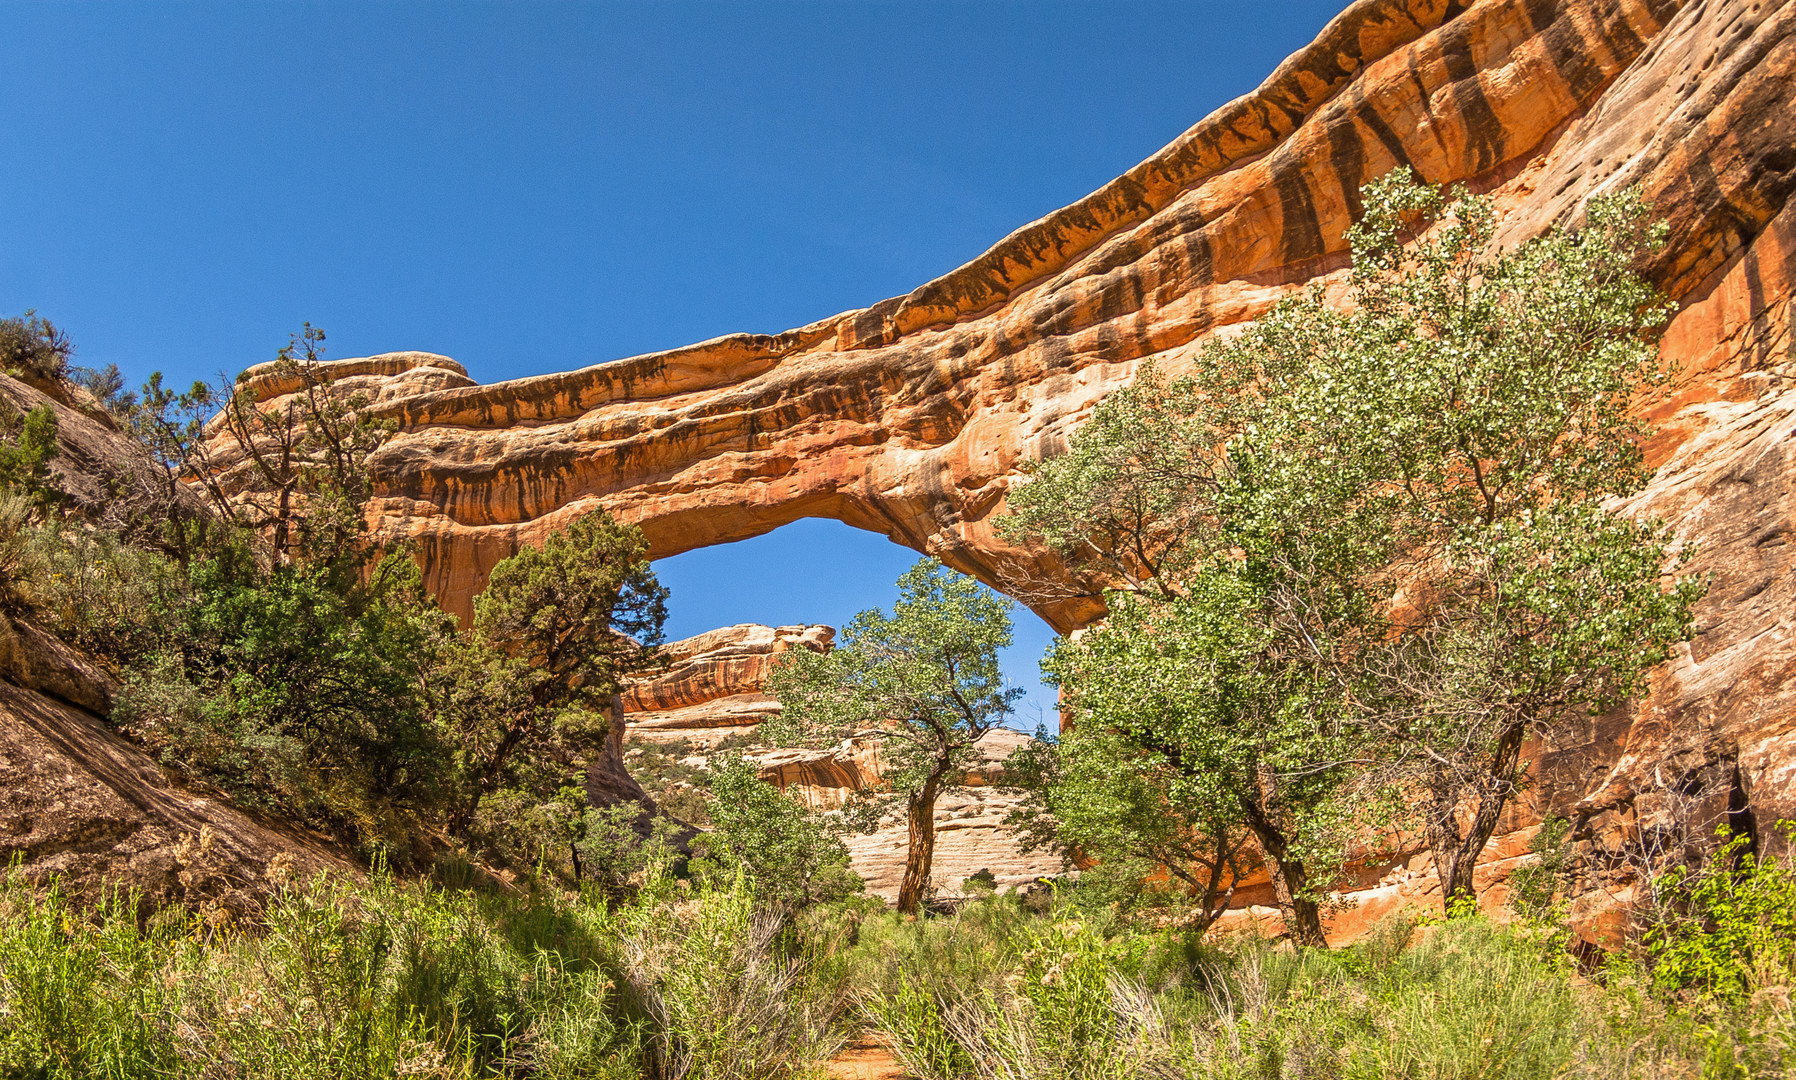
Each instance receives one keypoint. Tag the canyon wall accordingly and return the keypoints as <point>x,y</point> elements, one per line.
<point>914,417</point>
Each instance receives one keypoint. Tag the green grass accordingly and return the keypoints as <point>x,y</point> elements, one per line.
<point>387,979</point>
<point>997,993</point>
<point>384,980</point>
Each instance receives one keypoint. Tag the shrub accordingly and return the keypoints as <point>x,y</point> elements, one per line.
<point>32,346</point>
<point>724,1000</point>
<point>788,852</point>
<point>621,848</point>
<point>1731,927</point>
<point>112,599</point>
<point>107,385</point>
<point>298,691</point>
<point>27,443</point>
<point>378,979</point>
<point>78,997</point>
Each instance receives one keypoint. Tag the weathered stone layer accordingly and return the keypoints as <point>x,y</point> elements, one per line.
<point>916,416</point>
<point>913,417</point>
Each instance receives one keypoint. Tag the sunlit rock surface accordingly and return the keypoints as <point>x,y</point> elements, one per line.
<point>914,417</point>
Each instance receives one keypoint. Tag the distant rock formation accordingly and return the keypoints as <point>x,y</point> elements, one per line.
<point>714,688</point>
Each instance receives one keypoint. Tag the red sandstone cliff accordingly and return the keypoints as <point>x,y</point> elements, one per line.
<point>912,417</point>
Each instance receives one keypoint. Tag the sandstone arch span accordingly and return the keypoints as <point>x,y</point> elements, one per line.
<point>912,417</point>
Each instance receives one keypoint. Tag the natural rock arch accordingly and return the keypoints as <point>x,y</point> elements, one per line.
<point>913,417</point>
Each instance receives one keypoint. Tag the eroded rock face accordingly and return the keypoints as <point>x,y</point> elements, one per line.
<point>914,417</point>
<point>711,688</point>
<point>81,803</point>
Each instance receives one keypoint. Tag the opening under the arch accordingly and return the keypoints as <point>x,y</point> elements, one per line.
<point>817,570</point>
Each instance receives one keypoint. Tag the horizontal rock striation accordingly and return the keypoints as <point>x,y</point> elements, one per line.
<point>916,416</point>
<point>711,686</point>
<point>913,417</point>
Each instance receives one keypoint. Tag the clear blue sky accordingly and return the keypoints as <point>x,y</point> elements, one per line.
<point>533,187</point>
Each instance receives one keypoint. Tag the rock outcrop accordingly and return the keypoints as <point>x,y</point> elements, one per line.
<point>81,803</point>
<point>914,417</point>
<point>711,688</point>
<point>714,688</point>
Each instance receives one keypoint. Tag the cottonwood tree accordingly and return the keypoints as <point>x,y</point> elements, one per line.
<point>1105,809</point>
<point>924,680</point>
<point>1384,561</point>
<point>792,854</point>
<point>1503,431</point>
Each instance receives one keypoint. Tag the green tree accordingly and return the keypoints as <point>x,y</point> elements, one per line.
<point>924,680</point>
<point>1211,710</point>
<point>293,469</point>
<point>791,853</point>
<point>1106,808</point>
<point>27,443</point>
<point>1512,598</point>
<point>528,692</point>
<point>1379,558</point>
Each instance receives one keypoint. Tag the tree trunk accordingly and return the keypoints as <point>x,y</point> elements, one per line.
<point>1456,853</point>
<point>921,852</point>
<point>1290,879</point>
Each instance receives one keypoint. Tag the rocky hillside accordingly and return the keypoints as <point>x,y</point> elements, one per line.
<point>914,417</point>
<point>76,799</point>
<point>713,691</point>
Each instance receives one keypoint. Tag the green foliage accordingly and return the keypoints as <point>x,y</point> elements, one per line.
<point>1193,728</point>
<point>790,853</point>
<point>32,346</point>
<point>110,598</point>
<point>1734,927</point>
<point>1367,552</point>
<point>674,773</point>
<point>27,443</point>
<point>297,690</point>
<point>1534,888</point>
<point>924,677</point>
<point>380,980</point>
<point>996,993</point>
<point>621,848</point>
<point>525,694</point>
<point>725,999</point>
<point>581,610</point>
<point>1107,802</point>
<point>78,999</point>
<point>924,680</point>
